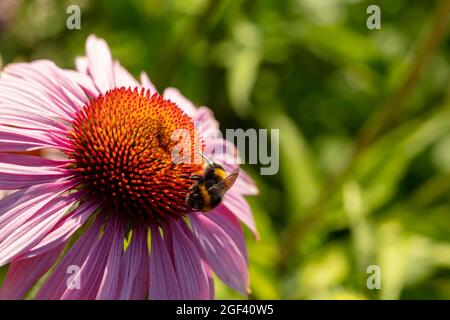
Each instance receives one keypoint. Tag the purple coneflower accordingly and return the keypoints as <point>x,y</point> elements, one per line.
<point>109,220</point>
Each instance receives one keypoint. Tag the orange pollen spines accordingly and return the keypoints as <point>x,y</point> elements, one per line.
<point>122,147</point>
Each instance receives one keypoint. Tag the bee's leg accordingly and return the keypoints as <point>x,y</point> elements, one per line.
<point>193,177</point>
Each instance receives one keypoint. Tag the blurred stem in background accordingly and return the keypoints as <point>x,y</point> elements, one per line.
<point>379,122</point>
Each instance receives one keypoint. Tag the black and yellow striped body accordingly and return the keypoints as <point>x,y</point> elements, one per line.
<point>202,197</point>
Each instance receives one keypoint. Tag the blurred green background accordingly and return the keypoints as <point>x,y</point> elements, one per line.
<point>364,119</point>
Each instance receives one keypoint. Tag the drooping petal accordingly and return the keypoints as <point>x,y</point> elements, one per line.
<point>21,139</point>
<point>10,117</point>
<point>20,171</point>
<point>84,81</point>
<point>230,224</point>
<point>221,252</point>
<point>162,277</point>
<point>134,269</point>
<point>64,229</point>
<point>18,99</point>
<point>245,185</point>
<point>235,204</point>
<point>64,277</point>
<point>189,266</point>
<point>100,64</point>
<point>51,81</point>
<point>25,236</point>
<point>10,181</point>
<point>23,274</point>
<point>28,91</point>
<point>31,162</point>
<point>94,267</point>
<point>15,102</point>
<point>109,286</point>
<point>64,86</point>
<point>17,208</point>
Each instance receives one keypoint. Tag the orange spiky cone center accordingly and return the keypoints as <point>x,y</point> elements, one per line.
<point>122,151</point>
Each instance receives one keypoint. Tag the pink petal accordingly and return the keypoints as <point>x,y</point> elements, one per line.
<point>230,224</point>
<point>84,81</point>
<point>19,171</point>
<point>82,65</point>
<point>21,238</point>
<point>100,64</point>
<point>31,121</point>
<point>46,77</point>
<point>23,274</point>
<point>223,152</point>
<point>94,268</point>
<point>245,184</point>
<point>204,118</point>
<point>29,161</point>
<point>146,83</point>
<point>236,204</point>
<point>17,208</point>
<point>222,253</point>
<point>192,276</point>
<point>64,229</point>
<point>134,269</point>
<point>109,286</point>
<point>122,78</point>
<point>162,277</point>
<point>65,87</point>
<point>23,98</point>
<point>181,101</point>
<point>20,139</point>
<point>57,283</point>
<point>17,181</point>
<point>205,265</point>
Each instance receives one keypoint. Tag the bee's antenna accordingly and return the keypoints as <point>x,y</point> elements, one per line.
<point>210,162</point>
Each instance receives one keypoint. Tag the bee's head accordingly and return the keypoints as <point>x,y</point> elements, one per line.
<point>194,201</point>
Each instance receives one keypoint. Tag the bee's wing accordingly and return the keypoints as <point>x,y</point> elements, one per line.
<point>224,185</point>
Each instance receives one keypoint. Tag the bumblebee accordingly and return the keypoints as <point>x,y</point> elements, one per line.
<point>210,187</point>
